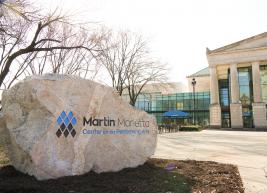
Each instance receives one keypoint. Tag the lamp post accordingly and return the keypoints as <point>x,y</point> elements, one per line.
<point>193,84</point>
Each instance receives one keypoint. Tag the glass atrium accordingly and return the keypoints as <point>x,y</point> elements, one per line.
<point>157,104</point>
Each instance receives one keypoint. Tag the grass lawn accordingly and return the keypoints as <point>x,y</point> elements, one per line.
<point>155,176</point>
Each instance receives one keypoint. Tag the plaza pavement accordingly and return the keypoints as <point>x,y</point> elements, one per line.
<point>247,150</point>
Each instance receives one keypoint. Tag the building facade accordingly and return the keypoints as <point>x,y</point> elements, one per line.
<point>157,99</point>
<point>196,104</point>
<point>238,84</point>
<point>230,93</point>
<point>202,79</point>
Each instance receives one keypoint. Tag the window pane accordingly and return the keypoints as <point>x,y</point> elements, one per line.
<point>263,73</point>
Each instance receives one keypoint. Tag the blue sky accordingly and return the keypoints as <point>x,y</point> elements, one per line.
<point>178,30</point>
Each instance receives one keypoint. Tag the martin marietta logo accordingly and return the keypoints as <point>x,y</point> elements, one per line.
<point>108,122</point>
<point>66,124</point>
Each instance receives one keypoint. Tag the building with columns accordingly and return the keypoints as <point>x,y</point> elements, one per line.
<point>238,84</point>
<point>230,93</point>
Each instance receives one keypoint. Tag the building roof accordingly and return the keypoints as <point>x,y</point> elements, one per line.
<point>203,72</point>
<point>235,44</point>
<point>165,88</point>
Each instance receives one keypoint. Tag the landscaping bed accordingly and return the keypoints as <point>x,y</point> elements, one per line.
<point>155,176</point>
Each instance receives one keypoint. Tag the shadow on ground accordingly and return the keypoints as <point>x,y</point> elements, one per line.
<point>147,178</point>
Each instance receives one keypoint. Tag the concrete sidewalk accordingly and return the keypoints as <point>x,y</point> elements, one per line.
<point>247,150</point>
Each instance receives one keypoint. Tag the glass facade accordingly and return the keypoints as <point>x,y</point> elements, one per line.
<point>246,95</point>
<point>157,104</point>
<point>224,93</point>
<point>263,74</point>
<point>245,85</point>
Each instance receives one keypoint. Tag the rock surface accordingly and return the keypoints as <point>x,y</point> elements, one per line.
<point>58,125</point>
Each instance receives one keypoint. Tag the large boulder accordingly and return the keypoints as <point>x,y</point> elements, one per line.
<point>58,125</point>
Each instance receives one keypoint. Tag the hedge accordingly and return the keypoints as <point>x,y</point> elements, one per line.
<point>190,128</point>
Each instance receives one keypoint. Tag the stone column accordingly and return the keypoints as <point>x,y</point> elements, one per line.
<point>257,95</point>
<point>235,106</point>
<point>214,88</point>
<point>259,108</point>
<point>234,84</point>
<point>215,108</point>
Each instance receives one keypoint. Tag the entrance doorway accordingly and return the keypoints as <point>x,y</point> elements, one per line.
<point>247,117</point>
<point>225,102</point>
<point>226,121</point>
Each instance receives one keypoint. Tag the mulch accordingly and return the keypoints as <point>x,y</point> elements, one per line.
<point>155,176</point>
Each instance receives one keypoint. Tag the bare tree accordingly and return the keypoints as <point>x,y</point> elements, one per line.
<point>30,36</point>
<point>16,8</point>
<point>119,51</point>
<point>129,63</point>
<point>142,73</point>
<point>110,58</point>
<point>74,61</point>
